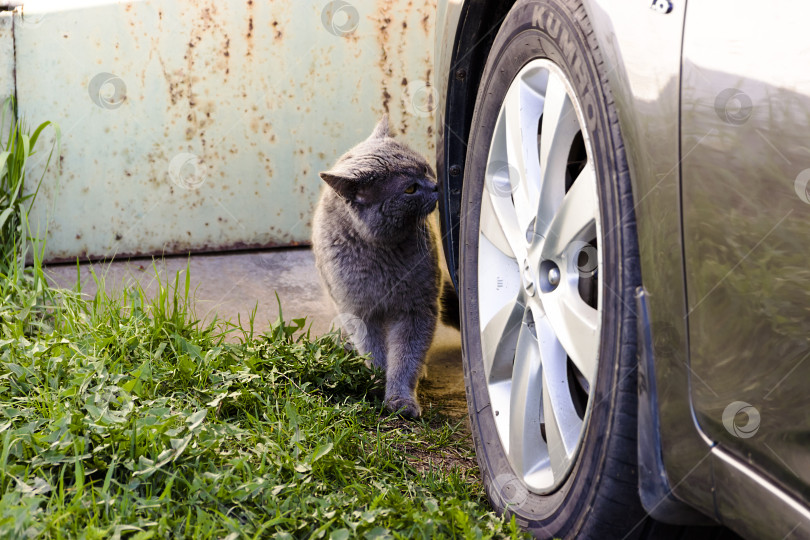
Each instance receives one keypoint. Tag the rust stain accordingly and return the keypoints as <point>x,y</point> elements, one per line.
<point>386,98</point>
<point>395,25</point>
<point>382,21</point>
<point>249,35</point>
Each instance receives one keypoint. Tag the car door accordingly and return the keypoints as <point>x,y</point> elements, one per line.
<point>745,147</point>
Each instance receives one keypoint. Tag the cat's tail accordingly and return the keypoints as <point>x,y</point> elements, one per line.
<point>448,301</point>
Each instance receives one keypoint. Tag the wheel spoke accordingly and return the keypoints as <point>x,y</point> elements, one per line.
<point>526,448</point>
<point>559,127</point>
<point>500,206</point>
<point>561,422</point>
<point>577,212</point>
<point>492,228</point>
<point>499,337</point>
<point>501,307</point>
<point>556,390</point>
<point>576,327</point>
<point>521,110</point>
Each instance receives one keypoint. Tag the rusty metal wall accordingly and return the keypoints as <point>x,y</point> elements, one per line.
<point>201,125</point>
<point>6,66</point>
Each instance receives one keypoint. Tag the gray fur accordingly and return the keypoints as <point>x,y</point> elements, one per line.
<point>377,256</point>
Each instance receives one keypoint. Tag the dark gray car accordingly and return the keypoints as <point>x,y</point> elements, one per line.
<point>624,207</point>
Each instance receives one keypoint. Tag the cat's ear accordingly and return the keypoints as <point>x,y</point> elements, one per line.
<point>345,186</point>
<point>381,131</point>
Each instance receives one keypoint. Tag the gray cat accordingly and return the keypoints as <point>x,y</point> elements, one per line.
<point>378,259</point>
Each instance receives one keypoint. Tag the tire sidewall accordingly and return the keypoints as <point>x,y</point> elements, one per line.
<point>551,30</point>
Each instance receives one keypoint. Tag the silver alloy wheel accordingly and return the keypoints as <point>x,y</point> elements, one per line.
<point>539,262</point>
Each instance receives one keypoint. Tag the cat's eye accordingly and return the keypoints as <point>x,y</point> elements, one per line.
<point>410,189</point>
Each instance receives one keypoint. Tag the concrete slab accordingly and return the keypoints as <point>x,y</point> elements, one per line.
<point>231,285</point>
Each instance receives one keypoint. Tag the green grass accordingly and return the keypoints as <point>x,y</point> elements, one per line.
<point>124,416</point>
<point>16,149</point>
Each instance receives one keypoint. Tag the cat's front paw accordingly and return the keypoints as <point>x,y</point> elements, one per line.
<point>404,405</point>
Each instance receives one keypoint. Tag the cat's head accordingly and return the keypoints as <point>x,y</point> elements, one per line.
<point>388,188</point>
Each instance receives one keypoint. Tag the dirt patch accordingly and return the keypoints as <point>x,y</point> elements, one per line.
<point>431,455</point>
<point>444,385</point>
<point>446,459</point>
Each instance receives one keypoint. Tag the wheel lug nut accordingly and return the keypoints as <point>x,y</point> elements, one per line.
<point>550,276</point>
<point>554,277</point>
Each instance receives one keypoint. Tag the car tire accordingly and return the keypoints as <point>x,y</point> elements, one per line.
<point>527,309</point>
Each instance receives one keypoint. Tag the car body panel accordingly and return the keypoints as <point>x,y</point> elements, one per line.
<point>642,50</point>
<point>752,504</point>
<point>746,170</point>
